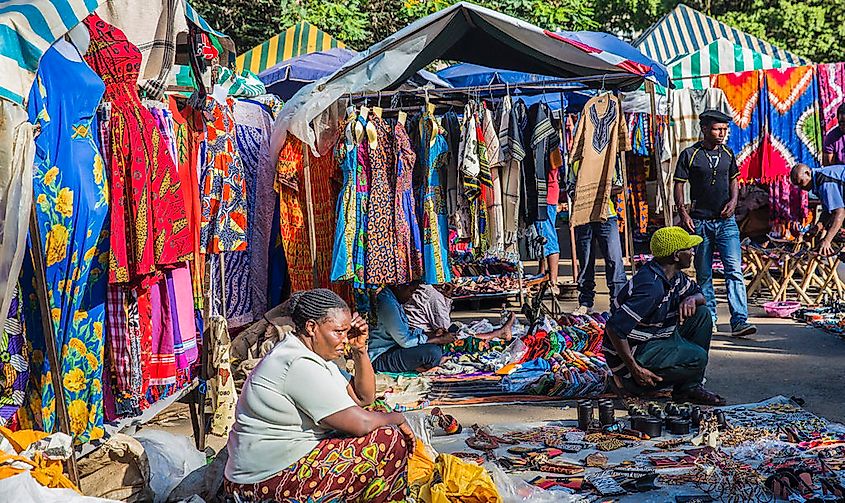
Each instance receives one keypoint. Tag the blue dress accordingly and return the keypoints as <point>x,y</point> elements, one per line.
<point>71,194</point>
<point>343,254</point>
<point>435,228</point>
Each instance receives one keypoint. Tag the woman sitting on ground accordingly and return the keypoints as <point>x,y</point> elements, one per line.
<point>301,432</point>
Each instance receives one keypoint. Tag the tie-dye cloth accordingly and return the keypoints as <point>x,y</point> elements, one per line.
<point>831,91</point>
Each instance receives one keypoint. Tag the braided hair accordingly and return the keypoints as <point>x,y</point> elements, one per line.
<point>312,305</point>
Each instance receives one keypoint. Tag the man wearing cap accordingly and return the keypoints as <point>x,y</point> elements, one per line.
<point>711,170</point>
<point>828,183</point>
<point>658,334</point>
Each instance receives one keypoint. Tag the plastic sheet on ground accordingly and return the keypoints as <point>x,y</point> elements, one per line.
<point>172,458</point>
<point>24,489</point>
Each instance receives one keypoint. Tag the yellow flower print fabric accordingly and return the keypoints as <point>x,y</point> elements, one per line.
<point>71,207</point>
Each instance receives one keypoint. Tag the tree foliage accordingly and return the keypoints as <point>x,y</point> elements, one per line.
<point>809,28</point>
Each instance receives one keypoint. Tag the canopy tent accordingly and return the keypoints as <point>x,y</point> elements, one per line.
<point>27,30</point>
<point>685,30</point>
<point>288,77</point>
<point>693,71</point>
<point>462,32</point>
<point>303,38</point>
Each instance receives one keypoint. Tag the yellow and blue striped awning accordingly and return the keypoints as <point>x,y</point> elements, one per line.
<point>27,30</point>
<point>303,38</point>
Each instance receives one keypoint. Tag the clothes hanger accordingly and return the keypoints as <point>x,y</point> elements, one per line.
<point>377,110</point>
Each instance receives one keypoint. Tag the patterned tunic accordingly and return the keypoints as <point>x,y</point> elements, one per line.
<point>223,184</point>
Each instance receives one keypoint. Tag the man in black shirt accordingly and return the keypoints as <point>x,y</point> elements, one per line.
<point>711,170</point>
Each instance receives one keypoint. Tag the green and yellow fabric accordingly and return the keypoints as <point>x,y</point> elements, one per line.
<point>303,38</point>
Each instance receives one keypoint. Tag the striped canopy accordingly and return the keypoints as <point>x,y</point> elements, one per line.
<point>303,38</point>
<point>693,71</point>
<point>685,30</point>
<point>27,30</point>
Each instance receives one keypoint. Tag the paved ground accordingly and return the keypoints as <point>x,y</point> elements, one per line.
<point>784,358</point>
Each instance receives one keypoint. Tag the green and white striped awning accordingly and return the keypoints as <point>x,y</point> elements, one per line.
<point>693,71</point>
<point>685,30</point>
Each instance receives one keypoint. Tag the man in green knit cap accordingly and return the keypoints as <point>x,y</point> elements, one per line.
<point>658,334</point>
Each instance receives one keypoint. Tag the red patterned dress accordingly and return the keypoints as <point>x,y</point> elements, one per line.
<point>149,227</point>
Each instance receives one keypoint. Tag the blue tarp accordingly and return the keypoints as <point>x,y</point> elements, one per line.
<point>609,43</point>
<point>468,75</point>
<point>289,76</point>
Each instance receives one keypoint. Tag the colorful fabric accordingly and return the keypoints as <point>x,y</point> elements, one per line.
<point>794,131</point>
<point>162,366</point>
<point>383,265</point>
<point>435,231</point>
<point>14,362</point>
<point>372,468</point>
<point>245,85</point>
<point>408,239</point>
<point>180,299</point>
<point>223,181</point>
<point>745,135</point>
<point>789,211</point>
<point>291,219</point>
<point>831,92</point>
<point>344,264</point>
<point>190,129</point>
<point>71,198</point>
<point>147,207</point>
<point>254,124</point>
<point>221,384</point>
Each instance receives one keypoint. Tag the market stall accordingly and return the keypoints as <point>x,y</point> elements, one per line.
<point>122,302</point>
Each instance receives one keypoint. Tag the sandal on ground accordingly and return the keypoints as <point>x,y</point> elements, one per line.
<point>699,396</point>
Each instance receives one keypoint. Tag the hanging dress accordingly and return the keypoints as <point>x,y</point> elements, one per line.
<point>435,231</point>
<point>149,227</point>
<point>71,196</point>
<point>381,232</point>
<point>223,189</point>
<point>408,239</point>
<point>343,254</point>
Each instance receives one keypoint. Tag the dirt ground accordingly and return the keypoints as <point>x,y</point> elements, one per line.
<point>783,358</point>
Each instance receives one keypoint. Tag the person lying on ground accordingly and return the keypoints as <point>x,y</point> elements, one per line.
<point>429,308</point>
<point>828,183</point>
<point>658,334</point>
<point>397,347</point>
<point>298,409</point>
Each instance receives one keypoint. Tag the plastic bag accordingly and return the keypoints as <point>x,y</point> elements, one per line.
<point>172,458</point>
<point>516,490</point>
<point>24,489</point>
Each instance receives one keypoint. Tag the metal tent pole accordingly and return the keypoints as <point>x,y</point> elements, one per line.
<point>50,339</point>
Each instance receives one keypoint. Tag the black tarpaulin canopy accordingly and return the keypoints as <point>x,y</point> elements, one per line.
<point>463,32</point>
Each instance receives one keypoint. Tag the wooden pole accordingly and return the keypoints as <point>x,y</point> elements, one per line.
<point>309,205</point>
<point>655,155</point>
<point>629,213</point>
<point>63,419</point>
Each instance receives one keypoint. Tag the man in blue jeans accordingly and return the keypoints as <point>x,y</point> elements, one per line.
<point>711,170</point>
<point>603,236</point>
